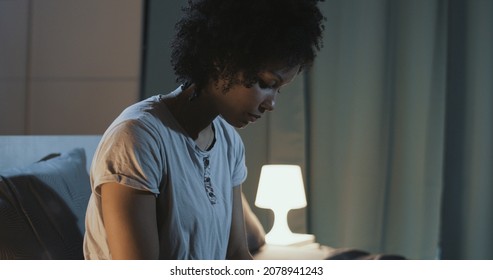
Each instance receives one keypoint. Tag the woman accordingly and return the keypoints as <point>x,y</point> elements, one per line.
<point>167,175</point>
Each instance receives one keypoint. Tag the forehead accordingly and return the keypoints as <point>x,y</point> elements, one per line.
<point>286,74</point>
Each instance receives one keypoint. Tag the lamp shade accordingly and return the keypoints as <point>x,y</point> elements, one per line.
<point>281,187</point>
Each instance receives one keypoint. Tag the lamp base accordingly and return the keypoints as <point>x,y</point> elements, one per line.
<point>291,239</point>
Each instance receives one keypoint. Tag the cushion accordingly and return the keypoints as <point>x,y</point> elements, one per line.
<point>42,208</point>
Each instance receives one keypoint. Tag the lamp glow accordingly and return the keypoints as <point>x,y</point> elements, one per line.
<point>281,189</point>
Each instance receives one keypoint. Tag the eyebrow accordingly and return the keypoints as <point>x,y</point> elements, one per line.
<point>281,80</point>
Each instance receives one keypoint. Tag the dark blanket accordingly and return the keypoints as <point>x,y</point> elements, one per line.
<point>35,222</point>
<point>355,254</point>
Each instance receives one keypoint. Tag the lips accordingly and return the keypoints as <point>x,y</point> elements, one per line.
<point>253,117</point>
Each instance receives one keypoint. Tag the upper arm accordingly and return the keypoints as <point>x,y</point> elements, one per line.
<point>237,246</point>
<point>129,217</point>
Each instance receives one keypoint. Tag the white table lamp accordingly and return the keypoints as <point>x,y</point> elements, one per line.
<point>281,189</point>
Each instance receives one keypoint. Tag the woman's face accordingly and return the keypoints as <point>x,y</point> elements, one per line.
<point>241,105</point>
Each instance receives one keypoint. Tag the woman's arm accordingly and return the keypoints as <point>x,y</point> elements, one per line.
<point>129,217</point>
<point>237,246</point>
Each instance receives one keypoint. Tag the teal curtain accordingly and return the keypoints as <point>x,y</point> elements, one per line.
<point>400,128</point>
<point>467,206</point>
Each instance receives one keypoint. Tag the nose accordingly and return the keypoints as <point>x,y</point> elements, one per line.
<point>268,105</point>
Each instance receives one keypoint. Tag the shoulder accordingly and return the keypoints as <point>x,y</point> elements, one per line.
<point>137,128</point>
<point>140,111</point>
<point>141,118</point>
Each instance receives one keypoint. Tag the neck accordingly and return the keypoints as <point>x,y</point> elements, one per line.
<point>193,114</point>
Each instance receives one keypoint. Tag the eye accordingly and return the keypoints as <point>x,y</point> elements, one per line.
<point>264,85</point>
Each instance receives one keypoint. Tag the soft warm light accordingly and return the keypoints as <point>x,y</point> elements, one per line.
<point>281,189</point>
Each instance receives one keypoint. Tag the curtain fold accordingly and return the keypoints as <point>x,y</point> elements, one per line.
<point>467,209</point>
<point>400,129</point>
<point>417,78</point>
<point>348,130</point>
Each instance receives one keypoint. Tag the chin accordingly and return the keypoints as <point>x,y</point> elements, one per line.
<point>236,123</point>
<point>239,125</point>
<point>242,127</point>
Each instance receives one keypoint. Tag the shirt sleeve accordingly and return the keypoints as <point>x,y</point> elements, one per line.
<point>240,169</point>
<point>129,155</point>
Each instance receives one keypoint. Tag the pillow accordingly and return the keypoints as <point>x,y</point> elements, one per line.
<point>42,208</point>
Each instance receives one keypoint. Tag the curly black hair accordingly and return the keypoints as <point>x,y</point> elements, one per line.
<point>221,38</point>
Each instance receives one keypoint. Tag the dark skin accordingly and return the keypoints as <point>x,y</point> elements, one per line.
<point>130,215</point>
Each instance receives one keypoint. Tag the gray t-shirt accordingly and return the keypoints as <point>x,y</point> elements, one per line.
<point>146,149</point>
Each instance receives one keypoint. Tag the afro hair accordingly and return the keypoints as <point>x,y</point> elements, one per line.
<point>218,39</point>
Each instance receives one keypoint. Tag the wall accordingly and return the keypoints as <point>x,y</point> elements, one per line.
<point>158,75</point>
<point>67,66</point>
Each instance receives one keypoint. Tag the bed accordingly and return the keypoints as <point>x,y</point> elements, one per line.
<point>44,189</point>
